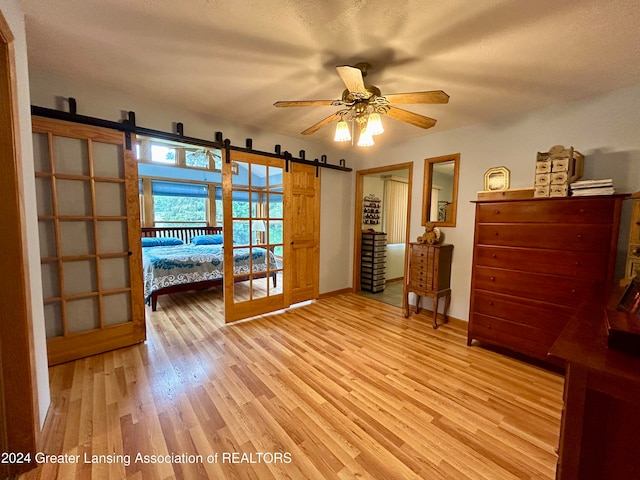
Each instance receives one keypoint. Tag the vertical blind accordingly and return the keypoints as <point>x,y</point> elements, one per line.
<point>396,198</point>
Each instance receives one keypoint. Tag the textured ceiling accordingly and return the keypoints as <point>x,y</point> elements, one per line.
<point>234,58</point>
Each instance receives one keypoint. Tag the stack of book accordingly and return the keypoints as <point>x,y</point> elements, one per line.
<point>584,188</point>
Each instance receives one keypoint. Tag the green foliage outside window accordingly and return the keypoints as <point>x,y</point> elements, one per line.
<point>176,211</point>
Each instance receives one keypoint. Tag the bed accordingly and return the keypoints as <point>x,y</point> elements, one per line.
<point>172,263</point>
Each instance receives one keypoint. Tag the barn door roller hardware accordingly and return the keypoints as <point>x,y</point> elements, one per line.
<point>129,127</point>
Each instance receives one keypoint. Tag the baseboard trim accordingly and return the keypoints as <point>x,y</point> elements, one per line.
<point>335,292</point>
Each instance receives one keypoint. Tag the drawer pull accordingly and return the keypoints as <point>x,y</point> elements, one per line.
<point>494,255</point>
<point>497,234</point>
<point>493,279</point>
<point>491,303</point>
<point>636,251</point>
<point>579,235</point>
<point>497,212</point>
<point>573,290</point>
<point>578,264</point>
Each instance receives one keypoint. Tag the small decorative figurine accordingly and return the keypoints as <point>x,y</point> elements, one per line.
<point>431,234</point>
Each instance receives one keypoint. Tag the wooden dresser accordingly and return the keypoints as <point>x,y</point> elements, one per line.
<point>534,262</point>
<point>429,275</point>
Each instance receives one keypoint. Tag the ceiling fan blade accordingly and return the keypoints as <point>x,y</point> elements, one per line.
<point>326,121</point>
<point>433,96</point>
<point>410,117</point>
<point>304,103</point>
<point>352,78</point>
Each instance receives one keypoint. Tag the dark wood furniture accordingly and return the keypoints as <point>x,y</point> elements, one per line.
<point>534,262</point>
<point>373,261</point>
<point>601,416</point>
<point>429,275</point>
<point>186,234</point>
<point>183,233</point>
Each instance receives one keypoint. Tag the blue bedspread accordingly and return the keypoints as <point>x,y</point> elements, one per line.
<point>188,263</point>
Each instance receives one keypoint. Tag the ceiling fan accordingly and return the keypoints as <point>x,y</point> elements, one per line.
<point>365,103</point>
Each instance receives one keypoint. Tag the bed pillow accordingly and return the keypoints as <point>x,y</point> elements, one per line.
<point>160,241</point>
<point>207,240</point>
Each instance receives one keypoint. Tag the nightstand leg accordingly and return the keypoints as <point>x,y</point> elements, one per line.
<point>435,310</point>
<point>447,303</point>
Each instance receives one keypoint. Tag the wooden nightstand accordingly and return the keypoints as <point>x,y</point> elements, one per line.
<point>429,275</point>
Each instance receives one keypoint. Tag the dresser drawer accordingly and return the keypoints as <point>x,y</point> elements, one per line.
<point>523,338</point>
<point>580,238</point>
<point>372,275</point>
<point>369,282</point>
<point>555,262</point>
<point>421,282</point>
<point>374,248</point>
<point>569,210</point>
<point>521,310</point>
<point>535,286</point>
<point>373,270</point>
<point>422,266</point>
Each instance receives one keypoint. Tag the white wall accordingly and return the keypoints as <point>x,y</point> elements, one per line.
<point>15,19</point>
<point>605,129</point>
<point>336,221</point>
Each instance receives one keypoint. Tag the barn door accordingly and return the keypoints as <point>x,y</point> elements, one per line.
<point>255,257</point>
<point>303,191</point>
<point>88,217</point>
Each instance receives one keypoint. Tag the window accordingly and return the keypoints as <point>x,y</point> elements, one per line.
<point>179,204</point>
<point>163,154</point>
<point>396,199</point>
<point>150,150</point>
<point>196,158</point>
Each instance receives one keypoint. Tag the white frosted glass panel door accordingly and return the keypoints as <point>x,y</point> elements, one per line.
<point>92,279</point>
<point>114,273</point>
<point>119,307</point>
<point>70,156</point>
<point>74,198</point>
<point>110,199</point>
<point>82,315</point>
<point>107,160</point>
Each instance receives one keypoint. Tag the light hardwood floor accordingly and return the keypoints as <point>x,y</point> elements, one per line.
<point>343,388</point>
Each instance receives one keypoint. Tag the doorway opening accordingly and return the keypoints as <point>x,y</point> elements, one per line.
<point>383,206</point>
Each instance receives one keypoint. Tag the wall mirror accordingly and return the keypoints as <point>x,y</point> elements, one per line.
<point>440,190</point>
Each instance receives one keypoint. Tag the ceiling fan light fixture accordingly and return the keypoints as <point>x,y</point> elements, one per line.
<point>374,124</point>
<point>342,132</point>
<point>365,140</point>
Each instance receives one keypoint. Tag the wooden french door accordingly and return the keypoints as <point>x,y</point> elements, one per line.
<point>268,209</point>
<point>88,218</point>
<point>255,252</point>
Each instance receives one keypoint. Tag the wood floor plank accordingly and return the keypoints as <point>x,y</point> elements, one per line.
<point>342,388</point>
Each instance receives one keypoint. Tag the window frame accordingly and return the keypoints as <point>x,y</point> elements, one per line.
<point>142,152</point>
<point>147,197</point>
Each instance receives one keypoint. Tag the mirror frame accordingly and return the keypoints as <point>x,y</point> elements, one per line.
<point>426,188</point>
